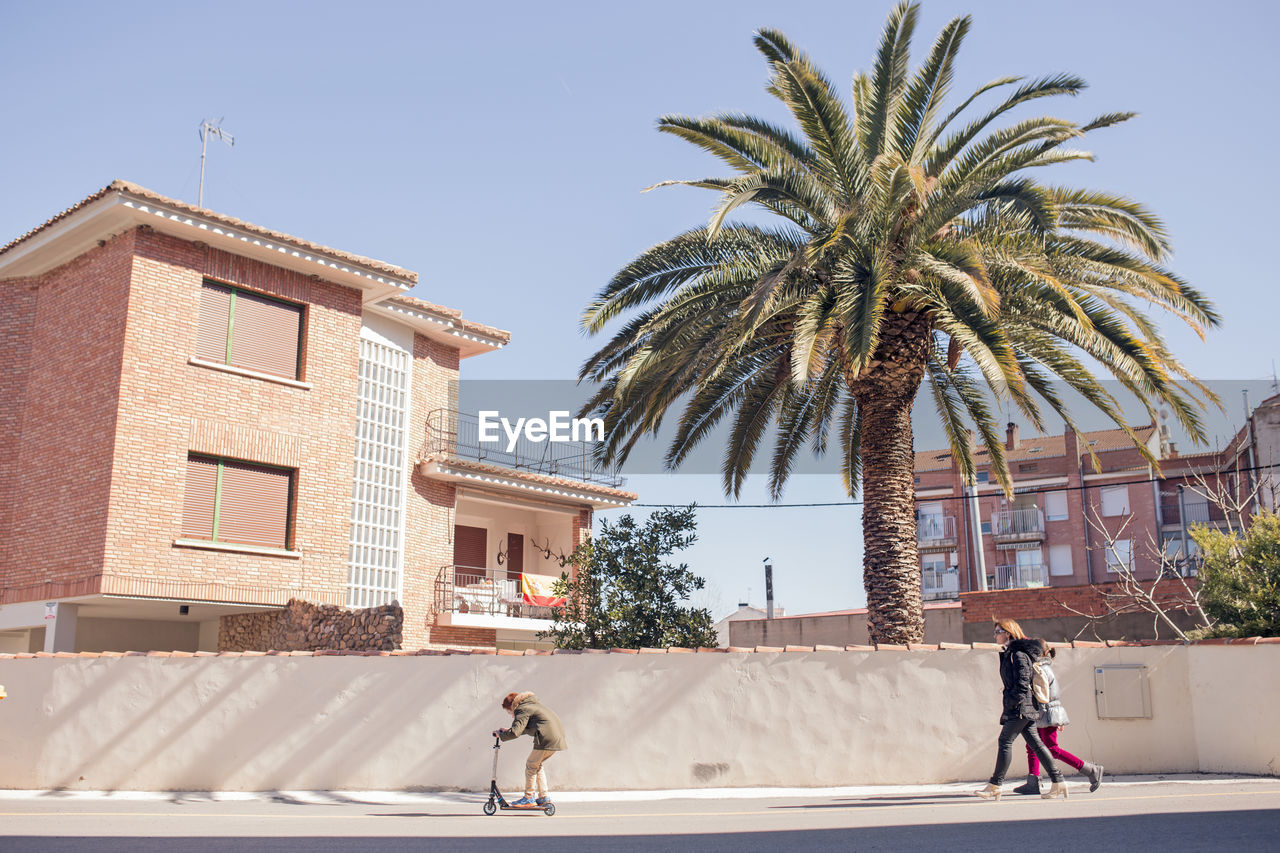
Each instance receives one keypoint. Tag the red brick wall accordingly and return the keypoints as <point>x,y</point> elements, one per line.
<point>169,408</point>
<point>429,522</point>
<point>17,322</point>
<point>1049,603</point>
<point>451,637</point>
<point>63,417</point>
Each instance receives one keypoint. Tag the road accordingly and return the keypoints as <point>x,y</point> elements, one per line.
<point>1170,814</point>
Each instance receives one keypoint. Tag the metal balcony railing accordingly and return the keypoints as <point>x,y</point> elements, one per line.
<point>1197,513</point>
<point>1022,576</point>
<point>458,434</point>
<point>935,531</point>
<point>487,592</point>
<point>1018,523</point>
<point>938,584</point>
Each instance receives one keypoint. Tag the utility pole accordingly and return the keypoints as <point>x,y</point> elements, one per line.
<point>209,128</point>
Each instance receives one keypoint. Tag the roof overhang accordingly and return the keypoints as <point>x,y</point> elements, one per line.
<point>517,484</point>
<point>118,210</point>
<point>440,327</point>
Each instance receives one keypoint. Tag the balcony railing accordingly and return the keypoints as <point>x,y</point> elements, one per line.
<point>486,592</point>
<point>1022,576</point>
<point>935,531</point>
<point>937,584</point>
<point>1017,525</point>
<point>458,434</point>
<point>1197,513</point>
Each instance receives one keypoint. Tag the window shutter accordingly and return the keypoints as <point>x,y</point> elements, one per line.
<point>1055,506</point>
<point>254,507</point>
<point>1060,560</point>
<point>264,335</point>
<point>1115,500</point>
<point>215,308</point>
<point>198,502</point>
<point>469,546</point>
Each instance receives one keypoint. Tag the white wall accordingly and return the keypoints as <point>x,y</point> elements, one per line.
<point>633,721</point>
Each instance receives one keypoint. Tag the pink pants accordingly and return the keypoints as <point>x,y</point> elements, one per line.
<point>1050,737</point>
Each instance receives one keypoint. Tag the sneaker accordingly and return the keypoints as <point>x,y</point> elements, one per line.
<point>542,801</point>
<point>523,801</point>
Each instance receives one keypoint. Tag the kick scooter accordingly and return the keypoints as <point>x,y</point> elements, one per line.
<point>497,801</point>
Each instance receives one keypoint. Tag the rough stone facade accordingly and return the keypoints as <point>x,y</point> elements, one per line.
<point>301,626</point>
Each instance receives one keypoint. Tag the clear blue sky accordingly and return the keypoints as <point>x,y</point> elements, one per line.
<point>500,149</point>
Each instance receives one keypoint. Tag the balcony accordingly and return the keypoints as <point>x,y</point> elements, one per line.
<point>1025,576</point>
<point>487,598</point>
<point>458,435</point>
<point>935,532</point>
<point>1017,525</point>
<point>1198,512</point>
<point>938,584</point>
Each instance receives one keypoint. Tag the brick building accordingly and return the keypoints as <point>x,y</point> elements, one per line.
<point>201,418</point>
<point>1083,506</point>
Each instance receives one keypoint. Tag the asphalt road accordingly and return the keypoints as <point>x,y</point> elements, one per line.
<point>1204,814</point>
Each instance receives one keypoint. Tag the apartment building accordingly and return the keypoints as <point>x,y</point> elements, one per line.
<point>1084,507</point>
<point>201,418</point>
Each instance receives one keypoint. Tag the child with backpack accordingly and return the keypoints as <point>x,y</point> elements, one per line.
<point>1044,685</point>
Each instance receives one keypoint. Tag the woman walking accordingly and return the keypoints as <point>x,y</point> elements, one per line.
<point>1048,726</point>
<point>1020,713</point>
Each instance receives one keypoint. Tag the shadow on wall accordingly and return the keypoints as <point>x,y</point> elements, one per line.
<point>797,718</point>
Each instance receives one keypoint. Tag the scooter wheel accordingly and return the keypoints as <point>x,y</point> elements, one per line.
<point>549,809</point>
<point>490,807</point>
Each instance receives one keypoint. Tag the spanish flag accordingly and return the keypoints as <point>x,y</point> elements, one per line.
<point>536,589</point>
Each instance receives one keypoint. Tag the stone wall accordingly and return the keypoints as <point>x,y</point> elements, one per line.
<point>302,626</point>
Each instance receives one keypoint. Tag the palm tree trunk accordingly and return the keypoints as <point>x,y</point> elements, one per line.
<point>885,393</point>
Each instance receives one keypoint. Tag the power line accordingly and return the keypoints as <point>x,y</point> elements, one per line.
<point>1036,491</point>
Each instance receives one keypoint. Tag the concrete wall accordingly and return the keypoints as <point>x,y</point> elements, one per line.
<point>634,721</point>
<point>942,624</point>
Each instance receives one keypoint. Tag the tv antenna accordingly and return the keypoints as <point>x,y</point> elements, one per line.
<point>210,128</point>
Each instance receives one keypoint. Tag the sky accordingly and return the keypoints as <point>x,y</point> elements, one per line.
<point>500,151</point>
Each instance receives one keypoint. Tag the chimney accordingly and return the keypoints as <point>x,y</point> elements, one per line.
<point>1011,436</point>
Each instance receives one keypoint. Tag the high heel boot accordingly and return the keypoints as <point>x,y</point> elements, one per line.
<point>1057,789</point>
<point>990,792</point>
<point>1094,772</point>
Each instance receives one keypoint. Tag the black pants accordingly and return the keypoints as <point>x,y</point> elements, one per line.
<point>1004,755</point>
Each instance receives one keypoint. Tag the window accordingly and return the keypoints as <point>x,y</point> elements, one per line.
<point>1120,555</point>
<point>1026,467</point>
<point>984,476</point>
<point>1055,505</point>
<point>1060,560</point>
<point>1115,500</point>
<point>237,502</point>
<point>243,329</point>
<point>986,528</point>
<point>1173,549</point>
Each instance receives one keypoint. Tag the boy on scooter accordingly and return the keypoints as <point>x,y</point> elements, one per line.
<point>529,716</point>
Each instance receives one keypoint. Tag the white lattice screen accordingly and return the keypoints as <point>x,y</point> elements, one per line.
<point>377,492</point>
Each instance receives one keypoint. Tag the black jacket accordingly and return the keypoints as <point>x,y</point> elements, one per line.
<point>1016,672</point>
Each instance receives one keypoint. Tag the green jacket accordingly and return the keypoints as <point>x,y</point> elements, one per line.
<point>534,718</point>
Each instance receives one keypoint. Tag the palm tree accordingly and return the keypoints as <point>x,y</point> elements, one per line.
<point>912,245</point>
